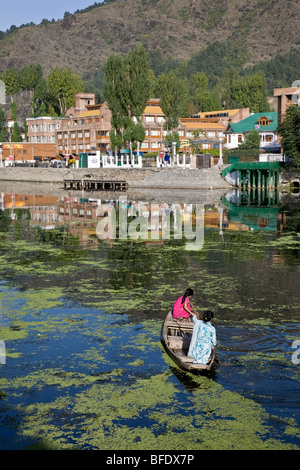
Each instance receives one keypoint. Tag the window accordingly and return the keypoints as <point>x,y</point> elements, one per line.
<point>263,121</point>
<point>155,133</point>
<point>149,118</point>
<point>240,138</point>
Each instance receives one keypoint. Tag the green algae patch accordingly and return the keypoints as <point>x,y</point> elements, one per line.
<point>41,299</point>
<point>150,415</point>
<point>12,333</point>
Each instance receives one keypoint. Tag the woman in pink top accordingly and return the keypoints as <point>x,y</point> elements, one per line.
<point>182,308</point>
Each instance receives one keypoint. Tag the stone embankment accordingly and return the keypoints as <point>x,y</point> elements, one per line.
<point>159,178</point>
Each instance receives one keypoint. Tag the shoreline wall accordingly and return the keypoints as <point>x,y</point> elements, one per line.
<point>167,178</point>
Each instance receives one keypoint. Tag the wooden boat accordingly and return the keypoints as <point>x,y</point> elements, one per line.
<point>176,338</point>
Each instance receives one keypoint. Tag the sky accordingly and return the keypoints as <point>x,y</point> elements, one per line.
<point>17,12</point>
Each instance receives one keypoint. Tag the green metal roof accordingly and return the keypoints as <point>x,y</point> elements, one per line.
<point>246,125</point>
<point>252,166</point>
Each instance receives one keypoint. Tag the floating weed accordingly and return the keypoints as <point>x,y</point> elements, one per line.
<point>148,415</point>
<point>287,241</point>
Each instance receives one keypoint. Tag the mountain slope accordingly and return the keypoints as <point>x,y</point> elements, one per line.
<point>178,28</point>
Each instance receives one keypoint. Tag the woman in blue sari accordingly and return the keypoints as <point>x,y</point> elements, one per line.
<point>203,338</point>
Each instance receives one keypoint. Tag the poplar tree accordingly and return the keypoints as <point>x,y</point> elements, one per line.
<point>127,88</point>
<point>113,93</point>
<point>289,131</point>
<point>172,92</point>
<point>3,125</point>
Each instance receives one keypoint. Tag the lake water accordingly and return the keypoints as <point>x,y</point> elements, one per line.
<point>82,304</point>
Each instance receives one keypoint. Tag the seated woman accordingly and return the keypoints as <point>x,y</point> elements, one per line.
<point>182,308</point>
<point>204,338</point>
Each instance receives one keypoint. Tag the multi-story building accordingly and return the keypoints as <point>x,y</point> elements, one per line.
<point>225,116</point>
<point>42,130</point>
<point>153,120</point>
<point>86,128</point>
<point>287,97</point>
<point>206,132</point>
<point>264,123</point>
<point>87,131</point>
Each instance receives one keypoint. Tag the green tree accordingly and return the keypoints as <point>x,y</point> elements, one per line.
<point>137,82</point>
<point>63,85</point>
<point>3,125</point>
<point>113,94</point>
<point>127,88</point>
<point>40,99</point>
<point>241,91</point>
<point>30,75</point>
<point>202,98</point>
<point>289,131</point>
<point>16,133</point>
<point>14,111</point>
<point>257,93</point>
<point>252,140</point>
<point>11,78</point>
<point>173,96</point>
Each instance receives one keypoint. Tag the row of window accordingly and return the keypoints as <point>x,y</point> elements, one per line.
<point>79,135</point>
<point>80,212</point>
<point>43,127</point>
<point>263,138</point>
<point>42,139</point>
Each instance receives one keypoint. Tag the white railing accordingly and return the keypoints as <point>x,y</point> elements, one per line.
<point>122,161</point>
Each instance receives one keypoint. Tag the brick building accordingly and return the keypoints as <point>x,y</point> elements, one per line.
<point>87,131</point>
<point>26,152</point>
<point>287,97</point>
<point>86,128</point>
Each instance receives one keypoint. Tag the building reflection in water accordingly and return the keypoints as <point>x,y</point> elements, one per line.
<point>238,211</point>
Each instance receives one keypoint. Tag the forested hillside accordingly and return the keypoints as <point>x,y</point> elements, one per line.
<point>221,51</point>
